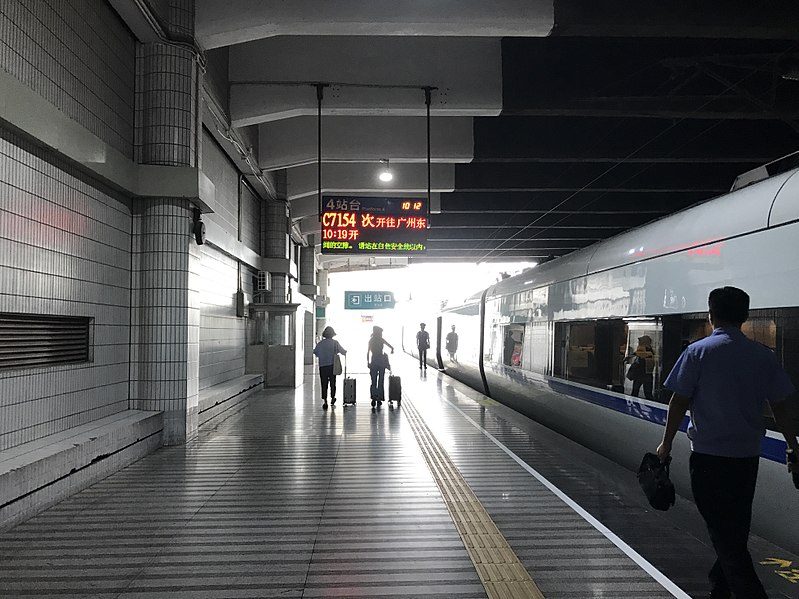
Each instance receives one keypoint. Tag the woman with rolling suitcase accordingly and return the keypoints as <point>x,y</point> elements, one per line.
<point>327,351</point>
<point>377,363</point>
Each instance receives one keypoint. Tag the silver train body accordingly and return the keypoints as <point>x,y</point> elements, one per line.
<point>555,342</point>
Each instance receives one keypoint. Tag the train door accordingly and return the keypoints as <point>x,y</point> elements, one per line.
<point>439,331</point>
<point>560,348</point>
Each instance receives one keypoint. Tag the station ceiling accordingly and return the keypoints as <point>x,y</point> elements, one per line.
<point>554,125</point>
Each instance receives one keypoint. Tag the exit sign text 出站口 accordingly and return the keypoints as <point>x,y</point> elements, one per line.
<point>374,225</point>
<point>368,300</point>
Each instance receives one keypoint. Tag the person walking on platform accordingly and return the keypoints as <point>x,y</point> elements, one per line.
<point>422,344</point>
<point>726,379</point>
<point>377,361</point>
<point>327,351</point>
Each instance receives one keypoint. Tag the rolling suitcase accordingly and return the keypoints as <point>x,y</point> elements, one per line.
<point>394,389</point>
<point>349,387</point>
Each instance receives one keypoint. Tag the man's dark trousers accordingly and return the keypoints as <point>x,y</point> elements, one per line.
<point>723,490</point>
<point>422,357</point>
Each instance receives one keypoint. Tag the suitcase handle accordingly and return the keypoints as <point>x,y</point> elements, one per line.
<point>345,365</point>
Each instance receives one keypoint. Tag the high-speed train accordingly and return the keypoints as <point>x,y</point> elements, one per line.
<point>583,343</point>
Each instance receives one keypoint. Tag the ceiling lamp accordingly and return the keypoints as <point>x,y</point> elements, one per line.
<point>385,173</point>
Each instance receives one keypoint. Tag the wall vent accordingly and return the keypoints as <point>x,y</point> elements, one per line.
<point>31,340</point>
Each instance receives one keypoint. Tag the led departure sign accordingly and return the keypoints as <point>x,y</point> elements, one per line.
<point>374,225</point>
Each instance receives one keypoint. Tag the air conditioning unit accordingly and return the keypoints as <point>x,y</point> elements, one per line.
<point>263,282</point>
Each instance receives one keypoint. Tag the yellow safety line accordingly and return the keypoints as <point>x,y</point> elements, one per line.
<point>499,569</point>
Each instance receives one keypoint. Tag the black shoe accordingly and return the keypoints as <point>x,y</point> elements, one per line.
<point>324,406</point>
<point>333,401</point>
<point>373,403</point>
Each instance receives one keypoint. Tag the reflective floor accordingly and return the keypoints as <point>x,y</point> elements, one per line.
<point>278,498</point>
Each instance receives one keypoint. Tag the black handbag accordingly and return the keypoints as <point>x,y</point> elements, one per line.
<point>637,369</point>
<point>653,476</point>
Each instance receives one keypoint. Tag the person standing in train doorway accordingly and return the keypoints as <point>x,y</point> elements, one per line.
<point>422,344</point>
<point>642,366</point>
<point>452,344</point>
<point>508,348</point>
<point>726,380</point>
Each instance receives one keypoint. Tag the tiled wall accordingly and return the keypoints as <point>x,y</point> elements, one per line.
<point>250,219</point>
<point>77,55</point>
<point>64,250</point>
<point>222,334</point>
<point>217,167</point>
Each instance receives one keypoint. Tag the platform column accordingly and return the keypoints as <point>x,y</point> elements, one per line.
<point>165,313</point>
<point>167,92</point>
<point>165,317</point>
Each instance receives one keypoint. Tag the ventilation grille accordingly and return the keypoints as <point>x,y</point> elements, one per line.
<point>28,340</point>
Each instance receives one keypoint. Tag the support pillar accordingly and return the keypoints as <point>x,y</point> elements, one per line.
<point>165,314</point>
<point>165,317</point>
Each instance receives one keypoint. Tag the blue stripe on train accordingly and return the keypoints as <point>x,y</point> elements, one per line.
<point>771,449</point>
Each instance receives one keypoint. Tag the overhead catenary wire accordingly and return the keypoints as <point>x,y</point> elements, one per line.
<point>564,172</point>
<point>626,158</point>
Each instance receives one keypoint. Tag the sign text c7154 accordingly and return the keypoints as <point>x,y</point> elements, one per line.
<point>374,225</point>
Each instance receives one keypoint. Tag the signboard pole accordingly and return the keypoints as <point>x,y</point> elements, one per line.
<point>320,94</point>
<point>427,100</point>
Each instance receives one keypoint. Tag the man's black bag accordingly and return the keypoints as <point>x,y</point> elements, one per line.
<point>653,476</point>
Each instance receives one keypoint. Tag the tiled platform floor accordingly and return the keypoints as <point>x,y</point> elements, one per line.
<point>279,498</point>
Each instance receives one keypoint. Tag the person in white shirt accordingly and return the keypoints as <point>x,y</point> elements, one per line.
<point>326,350</point>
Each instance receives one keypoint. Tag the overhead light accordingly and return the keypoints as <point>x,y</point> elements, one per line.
<point>385,172</point>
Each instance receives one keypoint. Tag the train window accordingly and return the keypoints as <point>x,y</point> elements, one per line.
<point>617,355</point>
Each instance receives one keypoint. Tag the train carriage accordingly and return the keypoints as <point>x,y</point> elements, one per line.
<point>583,344</point>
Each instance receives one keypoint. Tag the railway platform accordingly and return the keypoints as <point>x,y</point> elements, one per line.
<point>449,495</point>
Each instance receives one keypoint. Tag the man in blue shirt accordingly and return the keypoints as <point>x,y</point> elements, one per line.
<point>726,380</point>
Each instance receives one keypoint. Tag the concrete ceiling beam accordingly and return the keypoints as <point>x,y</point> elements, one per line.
<point>293,142</point>
<point>369,76</point>
<point>237,21</point>
<point>352,178</point>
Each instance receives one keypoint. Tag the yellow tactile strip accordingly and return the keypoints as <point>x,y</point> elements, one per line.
<point>500,571</point>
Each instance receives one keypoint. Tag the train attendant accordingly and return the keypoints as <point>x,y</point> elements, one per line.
<point>422,344</point>
<point>377,362</point>
<point>726,379</point>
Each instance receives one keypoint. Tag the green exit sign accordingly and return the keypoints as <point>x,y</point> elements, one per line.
<point>368,300</point>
